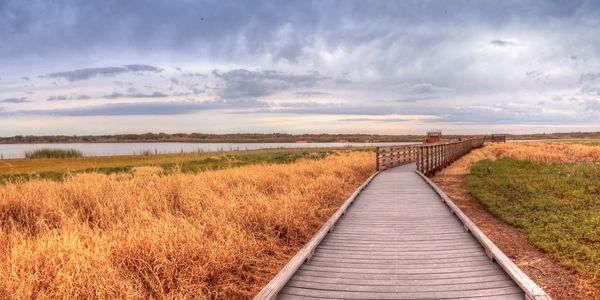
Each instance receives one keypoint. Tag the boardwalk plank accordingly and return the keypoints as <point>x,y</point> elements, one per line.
<point>320,293</point>
<point>403,282</point>
<point>394,287</point>
<point>399,269</point>
<point>399,240</point>
<point>470,274</point>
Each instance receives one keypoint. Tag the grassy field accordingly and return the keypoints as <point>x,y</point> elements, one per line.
<point>58,169</point>
<point>557,205</point>
<point>551,152</point>
<point>551,191</point>
<point>145,234</point>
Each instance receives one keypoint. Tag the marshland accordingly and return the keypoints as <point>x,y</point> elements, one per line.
<point>331,149</point>
<point>222,224</point>
<point>155,233</point>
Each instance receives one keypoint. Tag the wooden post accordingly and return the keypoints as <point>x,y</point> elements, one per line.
<point>377,159</point>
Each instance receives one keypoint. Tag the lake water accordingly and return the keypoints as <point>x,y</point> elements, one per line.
<point>108,149</point>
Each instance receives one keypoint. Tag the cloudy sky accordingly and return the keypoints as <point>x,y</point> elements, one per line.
<point>390,67</point>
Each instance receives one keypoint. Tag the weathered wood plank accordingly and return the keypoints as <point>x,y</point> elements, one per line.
<point>399,240</point>
<point>395,287</point>
<point>503,291</point>
<point>278,282</point>
<point>403,281</point>
<point>471,274</point>
<point>400,271</point>
<point>407,265</point>
<point>399,261</point>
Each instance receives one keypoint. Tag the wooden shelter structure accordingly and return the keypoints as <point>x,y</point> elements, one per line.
<point>434,136</point>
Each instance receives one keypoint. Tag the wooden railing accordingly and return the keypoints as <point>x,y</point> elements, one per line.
<point>393,156</point>
<point>434,157</point>
<point>497,138</point>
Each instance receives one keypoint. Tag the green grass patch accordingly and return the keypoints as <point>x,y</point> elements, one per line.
<point>233,160</point>
<point>593,143</point>
<point>205,163</point>
<point>556,205</point>
<point>53,153</point>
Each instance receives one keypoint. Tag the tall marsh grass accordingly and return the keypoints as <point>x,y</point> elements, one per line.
<point>53,153</point>
<point>546,152</point>
<point>218,234</point>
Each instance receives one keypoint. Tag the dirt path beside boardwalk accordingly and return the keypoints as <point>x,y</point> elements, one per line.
<point>559,281</point>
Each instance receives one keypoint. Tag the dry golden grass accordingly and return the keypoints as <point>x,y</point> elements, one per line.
<point>219,234</point>
<point>551,152</point>
<point>23,165</point>
<point>146,170</point>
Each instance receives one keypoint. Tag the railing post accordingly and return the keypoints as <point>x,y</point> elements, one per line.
<point>418,159</point>
<point>437,158</point>
<point>429,159</point>
<point>427,156</point>
<point>377,159</point>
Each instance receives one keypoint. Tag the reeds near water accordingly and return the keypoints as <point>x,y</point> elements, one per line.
<point>53,153</point>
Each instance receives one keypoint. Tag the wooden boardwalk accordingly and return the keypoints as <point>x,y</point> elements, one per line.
<point>398,240</point>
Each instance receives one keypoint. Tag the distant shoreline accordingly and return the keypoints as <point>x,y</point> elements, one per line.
<point>213,142</point>
<point>213,138</point>
<point>251,138</point>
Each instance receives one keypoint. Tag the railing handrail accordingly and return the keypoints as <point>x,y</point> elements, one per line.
<point>430,157</point>
<point>393,156</point>
<point>436,156</point>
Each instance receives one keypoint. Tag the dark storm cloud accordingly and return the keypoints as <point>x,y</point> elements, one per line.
<point>136,95</point>
<point>120,109</point>
<point>502,43</point>
<point>414,99</point>
<point>251,84</point>
<point>144,108</point>
<point>592,105</point>
<point>15,100</point>
<point>283,29</point>
<point>394,33</point>
<point>65,97</point>
<point>145,26</point>
<point>499,114</point>
<point>463,48</point>
<point>311,93</point>
<point>376,120</point>
<point>152,95</point>
<point>590,90</point>
<point>424,88</point>
<point>57,98</point>
<point>329,108</point>
<point>583,78</point>
<point>84,74</point>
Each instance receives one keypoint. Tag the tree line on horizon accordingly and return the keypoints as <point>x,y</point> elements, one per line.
<point>259,138</point>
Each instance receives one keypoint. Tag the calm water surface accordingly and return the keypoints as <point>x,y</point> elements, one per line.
<point>107,149</point>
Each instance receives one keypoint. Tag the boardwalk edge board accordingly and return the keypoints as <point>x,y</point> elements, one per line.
<point>531,289</point>
<point>271,290</point>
